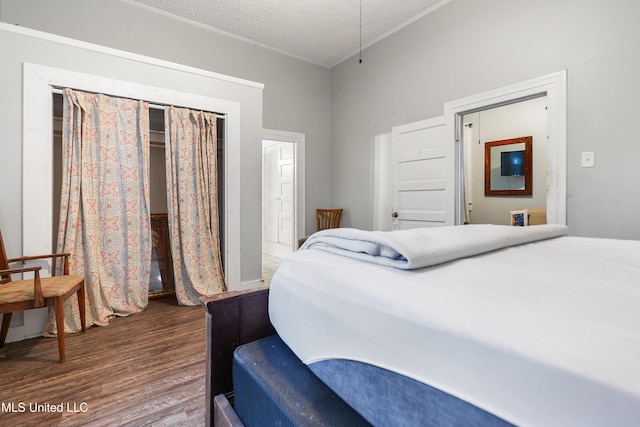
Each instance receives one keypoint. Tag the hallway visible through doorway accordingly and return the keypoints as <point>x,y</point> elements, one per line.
<point>283,198</point>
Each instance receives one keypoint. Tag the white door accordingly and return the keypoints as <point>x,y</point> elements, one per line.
<point>279,187</point>
<point>423,175</point>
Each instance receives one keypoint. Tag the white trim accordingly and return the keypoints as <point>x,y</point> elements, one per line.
<point>124,54</point>
<point>555,87</point>
<point>39,82</point>
<point>298,139</point>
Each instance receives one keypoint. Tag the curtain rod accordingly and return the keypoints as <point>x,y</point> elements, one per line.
<point>58,91</point>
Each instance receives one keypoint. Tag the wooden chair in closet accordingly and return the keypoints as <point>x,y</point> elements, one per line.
<point>328,218</point>
<point>20,295</point>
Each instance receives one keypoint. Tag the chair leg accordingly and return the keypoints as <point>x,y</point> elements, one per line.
<point>81,306</point>
<point>59,303</point>
<point>6,321</point>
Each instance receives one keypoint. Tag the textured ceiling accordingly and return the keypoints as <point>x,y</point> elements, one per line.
<point>324,32</point>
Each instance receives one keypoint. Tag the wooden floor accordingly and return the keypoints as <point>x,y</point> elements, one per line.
<point>144,369</point>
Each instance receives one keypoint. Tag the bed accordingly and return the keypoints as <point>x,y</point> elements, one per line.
<point>525,324</point>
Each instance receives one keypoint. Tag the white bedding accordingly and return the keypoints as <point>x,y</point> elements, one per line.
<point>424,247</point>
<point>545,333</point>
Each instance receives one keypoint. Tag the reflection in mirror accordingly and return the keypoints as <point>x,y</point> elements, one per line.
<point>508,167</point>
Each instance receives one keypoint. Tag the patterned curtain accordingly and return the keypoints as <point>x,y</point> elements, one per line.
<point>104,215</point>
<point>192,200</point>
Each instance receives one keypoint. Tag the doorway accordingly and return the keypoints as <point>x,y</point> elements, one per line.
<point>39,85</point>
<point>278,216</point>
<point>282,197</point>
<point>554,86</point>
<point>523,118</point>
<point>162,280</point>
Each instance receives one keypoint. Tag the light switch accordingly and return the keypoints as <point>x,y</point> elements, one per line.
<point>588,159</point>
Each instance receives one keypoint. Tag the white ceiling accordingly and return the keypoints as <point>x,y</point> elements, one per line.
<point>324,32</point>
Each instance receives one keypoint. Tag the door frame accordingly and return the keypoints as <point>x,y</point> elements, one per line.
<point>554,85</point>
<point>39,83</point>
<point>298,139</point>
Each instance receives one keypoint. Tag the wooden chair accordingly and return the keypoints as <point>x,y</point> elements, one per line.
<point>328,218</point>
<point>19,295</point>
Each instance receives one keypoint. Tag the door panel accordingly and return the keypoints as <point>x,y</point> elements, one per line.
<point>423,175</point>
<point>429,170</point>
<point>273,194</point>
<point>287,205</point>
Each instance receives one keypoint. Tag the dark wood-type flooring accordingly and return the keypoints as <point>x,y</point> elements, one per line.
<point>144,369</point>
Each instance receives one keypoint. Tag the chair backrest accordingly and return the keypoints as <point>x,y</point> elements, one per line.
<point>328,218</point>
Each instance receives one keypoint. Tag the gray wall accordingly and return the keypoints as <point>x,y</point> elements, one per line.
<point>461,49</point>
<point>468,47</point>
<point>295,97</point>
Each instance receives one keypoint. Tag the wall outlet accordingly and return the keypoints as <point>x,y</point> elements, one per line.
<point>588,159</point>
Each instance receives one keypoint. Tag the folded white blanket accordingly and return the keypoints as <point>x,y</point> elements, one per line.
<point>423,247</point>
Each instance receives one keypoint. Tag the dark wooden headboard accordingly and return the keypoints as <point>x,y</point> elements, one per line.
<point>233,318</point>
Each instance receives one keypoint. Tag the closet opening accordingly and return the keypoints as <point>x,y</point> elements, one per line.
<point>162,281</point>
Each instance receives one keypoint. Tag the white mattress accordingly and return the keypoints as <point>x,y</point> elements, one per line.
<point>546,333</point>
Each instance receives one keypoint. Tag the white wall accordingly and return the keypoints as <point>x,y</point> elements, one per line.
<point>295,97</point>
<point>467,47</point>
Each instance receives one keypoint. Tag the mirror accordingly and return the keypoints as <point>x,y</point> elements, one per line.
<point>508,167</point>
